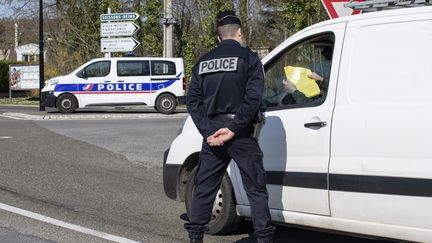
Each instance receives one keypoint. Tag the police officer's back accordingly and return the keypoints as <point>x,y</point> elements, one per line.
<point>223,99</point>
<point>221,83</point>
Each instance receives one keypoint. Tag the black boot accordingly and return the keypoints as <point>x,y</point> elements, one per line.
<point>196,241</point>
<point>265,240</point>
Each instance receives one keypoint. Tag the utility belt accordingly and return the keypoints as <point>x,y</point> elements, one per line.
<point>224,116</point>
<point>258,122</point>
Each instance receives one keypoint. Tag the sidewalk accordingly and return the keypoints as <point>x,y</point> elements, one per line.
<point>32,113</point>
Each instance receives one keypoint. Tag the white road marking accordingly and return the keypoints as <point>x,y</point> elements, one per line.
<point>66,225</point>
<point>5,137</point>
<point>13,117</point>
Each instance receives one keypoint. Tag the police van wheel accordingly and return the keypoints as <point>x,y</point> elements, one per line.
<point>166,104</point>
<point>224,218</point>
<point>66,103</point>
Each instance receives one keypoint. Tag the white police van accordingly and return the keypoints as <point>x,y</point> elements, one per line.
<point>157,82</point>
<point>359,160</point>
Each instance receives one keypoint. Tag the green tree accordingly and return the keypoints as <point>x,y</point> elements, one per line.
<point>209,21</point>
<point>76,38</point>
<point>151,29</point>
<point>299,14</point>
<point>196,31</point>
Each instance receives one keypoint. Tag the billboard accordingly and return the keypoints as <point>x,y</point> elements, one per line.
<point>23,77</point>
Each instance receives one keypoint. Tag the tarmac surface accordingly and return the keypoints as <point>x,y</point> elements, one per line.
<point>136,112</point>
<point>99,179</point>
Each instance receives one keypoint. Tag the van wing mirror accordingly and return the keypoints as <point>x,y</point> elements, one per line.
<point>82,74</point>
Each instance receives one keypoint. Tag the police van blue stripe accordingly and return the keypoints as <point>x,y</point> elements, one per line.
<point>118,87</point>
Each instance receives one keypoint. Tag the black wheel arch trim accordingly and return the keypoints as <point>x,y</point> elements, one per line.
<point>170,174</point>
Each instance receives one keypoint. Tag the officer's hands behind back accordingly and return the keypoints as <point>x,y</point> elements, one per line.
<point>220,137</point>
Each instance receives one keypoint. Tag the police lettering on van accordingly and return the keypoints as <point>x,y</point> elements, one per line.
<point>157,82</point>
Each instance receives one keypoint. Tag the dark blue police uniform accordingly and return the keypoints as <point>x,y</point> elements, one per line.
<point>225,92</point>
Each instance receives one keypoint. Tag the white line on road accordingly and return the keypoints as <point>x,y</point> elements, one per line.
<point>66,225</point>
<point>5,137</point>
<point>13,117</point>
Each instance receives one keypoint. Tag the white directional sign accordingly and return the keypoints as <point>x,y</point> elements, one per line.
<point>118,44</point>
<point>119,17</point>
<point>118,29</point>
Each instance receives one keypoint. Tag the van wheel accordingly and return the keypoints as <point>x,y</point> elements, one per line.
<point>166,104</point>
<point>224,218</point>
<point>66,103</point>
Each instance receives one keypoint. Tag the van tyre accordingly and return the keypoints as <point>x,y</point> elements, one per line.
<point>166,104</point>
<point>224,217</point>
<point>66,103</point>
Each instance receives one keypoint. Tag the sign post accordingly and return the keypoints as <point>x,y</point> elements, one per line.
<point>336,8</point>
<point>119,17</point>
<point>24,77</point>
<point>118,44</point>
<point>118,29</point>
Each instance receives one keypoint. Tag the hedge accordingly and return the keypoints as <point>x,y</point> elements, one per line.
<point>4,74</point>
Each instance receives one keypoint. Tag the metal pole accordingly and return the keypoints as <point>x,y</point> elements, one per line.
<point>108,54</point>
<point>164,31</point>
<point>10,84</point>
<point>41,55</point>
<point>169,28</point>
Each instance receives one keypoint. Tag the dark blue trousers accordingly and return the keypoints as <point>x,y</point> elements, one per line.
<point>213,163</point>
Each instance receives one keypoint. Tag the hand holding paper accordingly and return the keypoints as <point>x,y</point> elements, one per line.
<point>299,76</point>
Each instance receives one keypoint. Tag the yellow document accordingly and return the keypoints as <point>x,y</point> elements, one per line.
<point>299,77</point>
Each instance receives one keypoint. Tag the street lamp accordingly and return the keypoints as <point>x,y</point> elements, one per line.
<point>41,55</point>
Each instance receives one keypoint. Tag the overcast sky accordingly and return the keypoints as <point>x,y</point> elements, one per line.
<point>5,11</point>
<point>20,8</point>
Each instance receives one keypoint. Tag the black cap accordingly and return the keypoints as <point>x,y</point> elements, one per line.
<point>227,17</point>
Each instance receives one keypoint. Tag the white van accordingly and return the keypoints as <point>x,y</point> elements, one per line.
<point>358,158</point>
<point>157,82</point>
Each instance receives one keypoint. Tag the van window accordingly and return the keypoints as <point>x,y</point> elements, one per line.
<point>315,55</point>
<point>133,68</point>
<point>96,69</point>
<point>163,68</point>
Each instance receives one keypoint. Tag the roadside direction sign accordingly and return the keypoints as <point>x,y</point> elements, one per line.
<point>118,44</point>
<point>119,17</point>
<point>118,29</point>
<point>336,8</point>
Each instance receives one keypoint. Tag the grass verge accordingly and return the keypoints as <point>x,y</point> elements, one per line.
<point>20,101</point>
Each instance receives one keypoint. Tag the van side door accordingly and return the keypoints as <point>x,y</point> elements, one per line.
<point>295,139</point>
<point>133,82</point>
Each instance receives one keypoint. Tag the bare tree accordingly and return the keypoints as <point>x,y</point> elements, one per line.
<point>7,40</point>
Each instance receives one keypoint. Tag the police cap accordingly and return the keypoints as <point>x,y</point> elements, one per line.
<point>227,17</point>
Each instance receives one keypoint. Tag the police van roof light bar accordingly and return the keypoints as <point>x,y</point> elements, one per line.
<point>377,5</point>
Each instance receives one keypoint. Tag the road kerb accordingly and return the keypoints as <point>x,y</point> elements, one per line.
<point>24,116</point>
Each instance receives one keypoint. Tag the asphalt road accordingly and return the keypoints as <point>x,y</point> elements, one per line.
<point>104,175</point>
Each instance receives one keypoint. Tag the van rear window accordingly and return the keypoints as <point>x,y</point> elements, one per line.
<point>133,68</point>
<point>163,68</point>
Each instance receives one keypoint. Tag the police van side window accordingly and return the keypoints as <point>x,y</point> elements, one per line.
<point>163,68</point>
<point>133,68</point>
<point>299,76</point>
<point>96,69</point>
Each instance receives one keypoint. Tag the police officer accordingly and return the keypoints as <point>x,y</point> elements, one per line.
<point>223,100</point>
